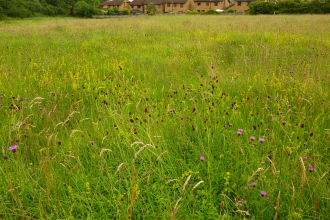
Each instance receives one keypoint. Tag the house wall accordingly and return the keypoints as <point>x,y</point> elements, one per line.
<point>241,8</point>
<point>159,8</point>
<point>138,7</point>
<point>205,6</point>
<point>177,8</point>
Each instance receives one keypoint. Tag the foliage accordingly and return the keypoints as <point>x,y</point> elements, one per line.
<point>211,12</point>
<point>290,7</point>
<point>231,10</point>
<point>126,11</point>
<point>194,12</point>
<point>82,9</point>
<point>20,8</point>
<point>258,7</point>
<point>151,8</point>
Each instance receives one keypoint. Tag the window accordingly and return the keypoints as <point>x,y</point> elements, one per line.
<point>132,6</point>
<point>215,3</point>
<point>174,5</point>
<point>168,5</point>
<point>159,6</point>
<point>199,10</point>
<point>207,3</point>
<point>198,3</point>
<point>239,3</point>
<point>248,3</point>
<point>139,6</point>
<point>181,5</point>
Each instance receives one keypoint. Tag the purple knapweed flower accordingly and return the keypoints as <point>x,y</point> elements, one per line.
<point>283,122</point>
<point>262,162</point>
<point>202,158</point>
<point>246,188</point>
<point>305,157</point>
<point>261,140</point>
<point>240,131</point>
<point>254,184</point>
<point>263,193</point>
<point>13,148</point>
<point>310,168</point>
<point>92,142</point>
<point>252,138</point>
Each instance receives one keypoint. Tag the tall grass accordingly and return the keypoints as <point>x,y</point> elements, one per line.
<point>166,117</point>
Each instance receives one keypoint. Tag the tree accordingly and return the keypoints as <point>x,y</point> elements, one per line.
<point>151,8</point>
<point>82,9</point>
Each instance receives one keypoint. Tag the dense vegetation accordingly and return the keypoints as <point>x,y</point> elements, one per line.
<point>165,117</point>
<point>28,8</point>
<point>290,7</point>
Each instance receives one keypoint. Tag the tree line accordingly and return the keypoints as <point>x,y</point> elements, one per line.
<point>28,8</point>
<point>290,7</point>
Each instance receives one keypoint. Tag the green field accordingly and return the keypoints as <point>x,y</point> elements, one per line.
<point>165,117</point>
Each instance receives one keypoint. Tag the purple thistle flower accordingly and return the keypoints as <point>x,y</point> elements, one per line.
<point>239,132</point>
<point>263,193</point>
<point>283,122</point>
<point>310,168</point>
<point>261,140</point>
<point>254,184</point>
<point>92,142</point>
<point>252,138</point>
<point>13,148</point>
<point>202,158</point>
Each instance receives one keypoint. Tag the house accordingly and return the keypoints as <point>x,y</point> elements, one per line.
<point>160,6</point>
<point>178,6</point>
<point>241,5</point>
<point>137,6</point>
<point>205,5</point>
<point>120,4</point>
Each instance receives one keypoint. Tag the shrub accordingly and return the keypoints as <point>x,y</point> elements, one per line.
<point>231,10</point>
<point>126,11</point>
<point>194,12</point>
<point>211,12</point>
<point>84,10</point>
<point>256,8</point>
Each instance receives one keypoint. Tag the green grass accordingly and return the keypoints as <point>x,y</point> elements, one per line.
<point>89,103</point>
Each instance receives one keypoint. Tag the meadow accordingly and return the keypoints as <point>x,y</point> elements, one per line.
<point>165,117</point>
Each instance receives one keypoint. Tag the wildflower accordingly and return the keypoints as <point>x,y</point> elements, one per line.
<point>201,158</point>
<point>310,168</point>
<point>263,193</point>
<point>252,138</point>
<point>170,111</point>
<point>283,122</point>
<point>230,124</point>
<point>240,131</point>
<point>13,148</point>
<point>262,162</point>
<point>254,184</point>
<point>305,157</point>
<point>261,140</point>
<point>246,188</point>
<point>92,142</point>
<point>267,198</point>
